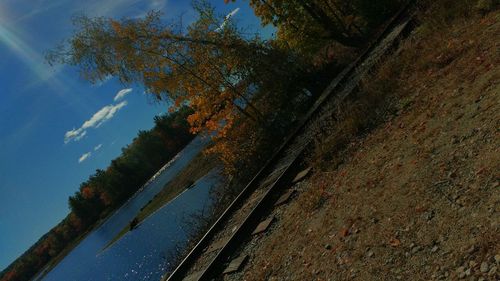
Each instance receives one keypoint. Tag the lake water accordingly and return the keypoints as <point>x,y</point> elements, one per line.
<point>141,254</point>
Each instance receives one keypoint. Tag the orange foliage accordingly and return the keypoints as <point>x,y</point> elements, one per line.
<point>87,192</point>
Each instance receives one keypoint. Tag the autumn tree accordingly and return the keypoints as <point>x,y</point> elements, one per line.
<point>209,65</point>
<point>306,23</point>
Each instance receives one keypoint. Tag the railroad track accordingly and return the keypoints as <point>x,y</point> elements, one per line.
<point>208,259</point>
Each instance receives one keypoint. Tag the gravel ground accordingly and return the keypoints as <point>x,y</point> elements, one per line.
<point>418,198</point>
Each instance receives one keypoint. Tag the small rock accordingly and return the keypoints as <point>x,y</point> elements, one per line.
<point>415,249</point>
<point>492,271</point>
<point>370,253</point>
<point>484,267</point>
<point>429,215</point>
<point>468,272</point>
<point>434,249</point>
<point>471,250</point>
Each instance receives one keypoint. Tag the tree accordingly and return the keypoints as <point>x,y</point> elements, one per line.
<point>210,66</point>
<point>302,23</point>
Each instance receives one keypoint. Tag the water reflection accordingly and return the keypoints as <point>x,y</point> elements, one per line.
<point>141,254</point>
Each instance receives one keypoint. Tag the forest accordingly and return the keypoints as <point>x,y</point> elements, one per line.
<point>243,90</point>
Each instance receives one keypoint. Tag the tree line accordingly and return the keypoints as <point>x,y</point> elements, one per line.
<point>105,190</point>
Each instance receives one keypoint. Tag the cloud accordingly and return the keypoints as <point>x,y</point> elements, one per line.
<point>103,81</point>
<point>232,13</point>
<point>98,147</point>
<point>227,18</point>
<point>157,4</point>
<point>84,157</point>
<point>101,116</point>
<point>122,93</point>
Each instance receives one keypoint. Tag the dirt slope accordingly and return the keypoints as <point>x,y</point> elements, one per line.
<point>418,198</point>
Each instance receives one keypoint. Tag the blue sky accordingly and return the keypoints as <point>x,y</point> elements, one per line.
<point>55,128</point>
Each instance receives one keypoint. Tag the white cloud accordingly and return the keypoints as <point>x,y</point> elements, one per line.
<point>122,93</point>
<point>84,157</point>
<point>232,13</point>
<point>227,18</point>
<point>102,81</point>
<point>157,4</point>
<point>101,116</point>
<point>98,147</point>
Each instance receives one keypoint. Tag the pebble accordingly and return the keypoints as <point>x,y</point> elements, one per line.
<point>467,272</point>
<point>434,249</point>
<point>370,253</point>
<point>471,250</point>
<point>492,271</point>
<point>484,267</point>
<point>415,249</point>
<point>429,215</point>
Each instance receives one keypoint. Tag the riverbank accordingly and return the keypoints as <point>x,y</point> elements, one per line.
<point>169,191</point>
<point>201,165</point>
<point>405,183</point>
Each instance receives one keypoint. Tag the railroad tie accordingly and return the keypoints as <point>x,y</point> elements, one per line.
<point>300,176</point>
<point>236,264</point>
<point>285,197</point>
<point>263,226</point>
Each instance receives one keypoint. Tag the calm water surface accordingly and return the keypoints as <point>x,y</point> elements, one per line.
<point>141,254</point>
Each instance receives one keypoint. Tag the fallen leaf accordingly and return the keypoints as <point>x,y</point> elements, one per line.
<point>344,232</point>
<point>394,242</point>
